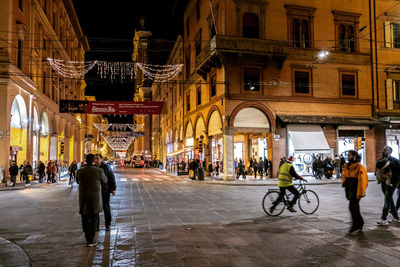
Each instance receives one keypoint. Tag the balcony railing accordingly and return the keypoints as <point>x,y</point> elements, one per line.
<point>224,44</point>
<point>235,44</point>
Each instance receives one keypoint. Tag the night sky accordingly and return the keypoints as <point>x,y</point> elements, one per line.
<point>110,26</point>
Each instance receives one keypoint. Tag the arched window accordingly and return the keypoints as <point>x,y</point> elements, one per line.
<point>251,28</point>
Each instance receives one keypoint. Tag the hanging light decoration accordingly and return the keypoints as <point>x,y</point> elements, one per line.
<point>159,73</point>
<point>71,69</point>
<point>113,70</point>
<point>102,127</point>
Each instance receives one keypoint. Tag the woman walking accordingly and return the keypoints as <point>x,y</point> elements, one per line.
<point>355,182</point>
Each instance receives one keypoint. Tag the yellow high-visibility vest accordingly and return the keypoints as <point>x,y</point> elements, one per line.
<point>284,178</point>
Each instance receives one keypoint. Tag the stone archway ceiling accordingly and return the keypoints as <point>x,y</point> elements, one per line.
<point>251,118</point>
<point>189,130</point>
<point>44,124</point>
<point>200,128</point>
<point>214,124</point>
<point>36,124</point>
<point>19,118</point>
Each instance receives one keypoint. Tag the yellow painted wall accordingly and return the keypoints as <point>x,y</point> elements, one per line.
<point>18,138</point>
<point>44,148</point>
<point>71,150</point>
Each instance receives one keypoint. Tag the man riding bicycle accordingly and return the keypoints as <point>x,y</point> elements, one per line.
<point>286,175</point>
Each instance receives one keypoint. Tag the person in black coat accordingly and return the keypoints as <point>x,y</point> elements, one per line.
<point>90,179</point>
<point>13,170</point>
<point>241,170</point>
<point>40,171</point>
<point>109,188</point>
<point>261,167</point>
<point>266,166</point>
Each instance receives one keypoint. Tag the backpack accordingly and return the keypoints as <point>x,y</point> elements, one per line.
<point>380,177</point>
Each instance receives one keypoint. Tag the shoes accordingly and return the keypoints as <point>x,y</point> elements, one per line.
<point>91,244</point>
<point>355,232</point>
<point>394,220</point>
<point>382,222</point>
<point>107,228</point>
<point>291,209</point>
<point>271,210</point>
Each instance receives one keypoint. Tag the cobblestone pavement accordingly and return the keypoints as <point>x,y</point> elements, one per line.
<point>160,220</point>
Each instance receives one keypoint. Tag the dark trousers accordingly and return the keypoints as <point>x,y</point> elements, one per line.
<point>354,207</point>
<point>292,190</point>
<point>398,199</point>
<point>106,208</point>
<point>13,179</point>
<point>89,224</point>
<point>389,203</point>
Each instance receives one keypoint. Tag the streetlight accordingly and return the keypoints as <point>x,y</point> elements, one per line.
<point>323,54</point>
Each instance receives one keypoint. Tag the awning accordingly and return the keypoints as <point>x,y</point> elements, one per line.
<point>308,138</point>
<point>328,120</point>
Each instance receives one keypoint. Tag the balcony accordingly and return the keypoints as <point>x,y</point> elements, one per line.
<point>222,45</point>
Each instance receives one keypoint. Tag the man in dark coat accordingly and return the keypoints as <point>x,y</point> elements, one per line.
<point>261,167</point>
<point>27,171</point>
<point>13,170</point>
<point>40,170</point>
<point>90,179</point>
<point>109,188</point>
<point>266,166</point>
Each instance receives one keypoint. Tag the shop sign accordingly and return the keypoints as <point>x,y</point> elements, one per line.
<point>111,107</point>
<point>277,137</point>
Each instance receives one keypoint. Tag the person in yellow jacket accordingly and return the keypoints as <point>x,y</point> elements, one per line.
<point>355,182</point>
<point>285,178</point>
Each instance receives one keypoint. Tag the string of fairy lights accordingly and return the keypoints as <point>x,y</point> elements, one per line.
<point>116,135</point>
<point>114,70</point>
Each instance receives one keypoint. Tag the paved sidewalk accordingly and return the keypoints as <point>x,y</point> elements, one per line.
<point>250,181</point>
<point>174,222</point>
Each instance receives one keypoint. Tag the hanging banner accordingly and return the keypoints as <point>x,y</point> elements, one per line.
<point>111,107</point>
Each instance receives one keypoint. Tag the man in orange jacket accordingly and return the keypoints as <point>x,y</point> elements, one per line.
<point>355,182</point>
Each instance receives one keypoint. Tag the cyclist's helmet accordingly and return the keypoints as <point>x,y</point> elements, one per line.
<point>290,159</point>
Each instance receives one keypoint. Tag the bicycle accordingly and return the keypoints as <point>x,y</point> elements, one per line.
<point>308,201</point>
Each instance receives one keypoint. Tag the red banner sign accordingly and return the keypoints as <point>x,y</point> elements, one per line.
<point>111,107</point>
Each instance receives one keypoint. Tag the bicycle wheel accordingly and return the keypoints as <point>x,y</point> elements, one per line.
<point>269,205</point>
<point>308,202</point>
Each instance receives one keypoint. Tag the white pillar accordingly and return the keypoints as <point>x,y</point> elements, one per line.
<point>228,153</point>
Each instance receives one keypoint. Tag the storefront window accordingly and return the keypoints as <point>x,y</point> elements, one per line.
<point>346,143</point>
<point>238,151</point>
<point>392,140</point>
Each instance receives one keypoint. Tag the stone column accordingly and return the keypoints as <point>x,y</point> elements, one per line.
<point>208,152</point>
<point>66,149</point>
<point>228,165</point>
<point>29,132</point>
<point>5,110</point>
<point>246,150</point>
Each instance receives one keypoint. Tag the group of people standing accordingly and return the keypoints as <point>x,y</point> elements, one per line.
<point>96,183</point>
<point>26,172</point>
<point>261,167</point>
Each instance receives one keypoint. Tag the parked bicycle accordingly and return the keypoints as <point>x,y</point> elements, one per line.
<point>274,202</point>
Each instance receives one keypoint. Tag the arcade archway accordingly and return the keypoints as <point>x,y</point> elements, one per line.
<point>18,130</point>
